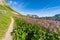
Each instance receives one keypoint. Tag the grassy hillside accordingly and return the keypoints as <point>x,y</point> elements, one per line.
<point>5,14</point>
<point>4,24</point>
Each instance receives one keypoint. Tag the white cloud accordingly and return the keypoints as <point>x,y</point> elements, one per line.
<point>14,3</point>
<point>10,2</point>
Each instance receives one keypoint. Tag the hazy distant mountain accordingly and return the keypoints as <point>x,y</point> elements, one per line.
<point>55,17</point>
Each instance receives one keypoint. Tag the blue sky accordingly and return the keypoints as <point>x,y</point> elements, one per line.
<point>41,8</point>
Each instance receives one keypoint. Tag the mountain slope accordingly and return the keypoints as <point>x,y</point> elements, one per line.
<point>5,14</point>
<point>2,2</point>
<point>10,29</point>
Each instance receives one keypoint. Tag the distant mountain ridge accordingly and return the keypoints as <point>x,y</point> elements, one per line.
<point>55,17</point>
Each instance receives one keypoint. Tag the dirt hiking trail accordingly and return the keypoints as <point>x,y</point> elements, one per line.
<point>8,33</point>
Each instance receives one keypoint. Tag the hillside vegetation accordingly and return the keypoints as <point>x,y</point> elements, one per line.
<point>27,31</point>
<point>26,28</point>
<point>5,14</point>
<point>4,24</point>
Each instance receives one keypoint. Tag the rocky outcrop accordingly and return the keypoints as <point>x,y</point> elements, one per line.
<point>3,2</point>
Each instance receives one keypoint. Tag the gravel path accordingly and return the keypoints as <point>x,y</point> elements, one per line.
<point>10,29</point>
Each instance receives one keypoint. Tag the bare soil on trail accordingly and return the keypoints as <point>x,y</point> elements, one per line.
<point>8,33</point>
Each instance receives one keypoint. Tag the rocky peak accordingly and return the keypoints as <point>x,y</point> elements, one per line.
<point>2,2</point>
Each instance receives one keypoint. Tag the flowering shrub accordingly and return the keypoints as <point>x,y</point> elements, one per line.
<point>27,31</point>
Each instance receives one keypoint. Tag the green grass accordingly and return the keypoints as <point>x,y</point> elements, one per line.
<point>2,8</point>
<point>4,20</point>
<point>4,24</point>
